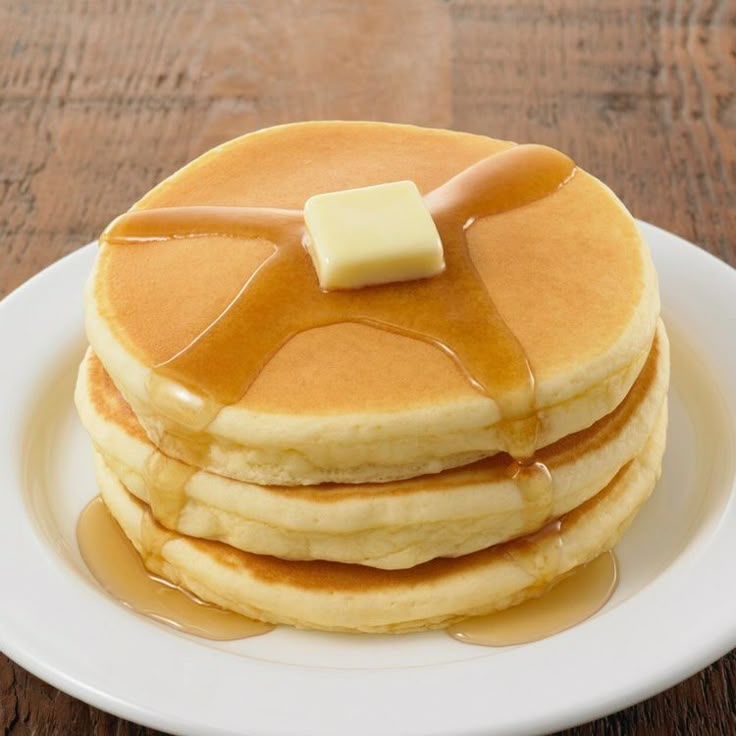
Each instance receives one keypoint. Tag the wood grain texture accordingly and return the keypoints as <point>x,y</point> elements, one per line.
<point>100,100</point>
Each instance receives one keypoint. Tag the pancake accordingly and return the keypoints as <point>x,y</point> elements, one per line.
<point>568,275</point>
<point>391,525</point>
<point>340,597</point>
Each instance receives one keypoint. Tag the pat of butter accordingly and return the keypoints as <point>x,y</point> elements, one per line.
<point>372,235</point>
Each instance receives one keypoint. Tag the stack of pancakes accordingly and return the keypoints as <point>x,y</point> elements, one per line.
<point>362,482</point>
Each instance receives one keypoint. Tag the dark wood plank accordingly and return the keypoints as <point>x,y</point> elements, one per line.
<point>99,101</point>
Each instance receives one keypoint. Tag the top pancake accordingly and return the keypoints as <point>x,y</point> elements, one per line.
<point>568,273</point>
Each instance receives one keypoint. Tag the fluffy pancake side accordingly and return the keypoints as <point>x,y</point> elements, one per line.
<point>391,525</point>
<point>339,597</point>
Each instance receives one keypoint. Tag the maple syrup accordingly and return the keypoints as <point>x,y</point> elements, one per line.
<point>283,298</point>
<point>117,566</point>
<point>570,601</point>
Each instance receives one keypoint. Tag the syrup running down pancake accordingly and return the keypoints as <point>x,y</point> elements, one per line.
<point>338,597</point>
<point>396,524</point>
<point>386,458</point>
<point>386,382</point>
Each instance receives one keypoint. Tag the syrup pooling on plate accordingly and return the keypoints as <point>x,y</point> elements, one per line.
<point>114,562</point>
<point>283,297</point>
<point>574,599</point>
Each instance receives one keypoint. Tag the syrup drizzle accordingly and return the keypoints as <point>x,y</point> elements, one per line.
<point>116,565</point>
<point>534,481</point>
<point>166,480</point>
<point>283,298</point>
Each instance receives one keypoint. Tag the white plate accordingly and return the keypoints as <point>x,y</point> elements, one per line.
<point>674,612</point>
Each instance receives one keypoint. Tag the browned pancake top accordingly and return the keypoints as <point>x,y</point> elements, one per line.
<point>565,272</point>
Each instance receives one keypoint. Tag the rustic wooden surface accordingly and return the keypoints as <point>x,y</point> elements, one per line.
<point>99,101</point>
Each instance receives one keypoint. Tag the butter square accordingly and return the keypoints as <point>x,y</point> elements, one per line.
<point>372,235</point>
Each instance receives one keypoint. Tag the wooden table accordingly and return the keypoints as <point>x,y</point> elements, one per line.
<point>99,101</point>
